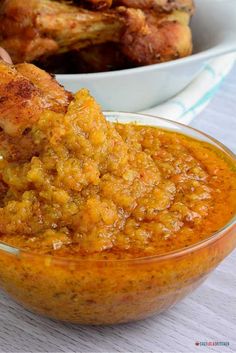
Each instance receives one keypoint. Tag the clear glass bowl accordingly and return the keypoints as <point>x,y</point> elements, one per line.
<point>114,291</point>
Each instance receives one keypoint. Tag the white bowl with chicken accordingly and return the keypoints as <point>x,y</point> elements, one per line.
<point>159,47</point>
<point>136,89</point>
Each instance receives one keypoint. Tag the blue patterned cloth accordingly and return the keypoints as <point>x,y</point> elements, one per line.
<point>197,95</point>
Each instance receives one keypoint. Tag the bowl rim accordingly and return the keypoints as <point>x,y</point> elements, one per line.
<point>165,256</point>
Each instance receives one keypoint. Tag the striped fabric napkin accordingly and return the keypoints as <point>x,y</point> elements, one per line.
<point>197,95</point>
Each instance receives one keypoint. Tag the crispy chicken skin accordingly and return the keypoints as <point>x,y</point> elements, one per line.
<point>21,101</point>
<point>37,28</point>
<point>25,92</point>
<point>151,39</point>
<point>54,96</point>
<point>41,28</point>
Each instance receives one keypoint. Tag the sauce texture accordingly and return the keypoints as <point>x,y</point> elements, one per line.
<point>102,190</point>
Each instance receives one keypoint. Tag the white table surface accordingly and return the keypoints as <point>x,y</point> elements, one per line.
<point>209,314</point>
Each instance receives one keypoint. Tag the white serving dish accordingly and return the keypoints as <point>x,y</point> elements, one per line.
<point>137,89</point>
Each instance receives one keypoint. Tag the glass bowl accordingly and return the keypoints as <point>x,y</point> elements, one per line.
<point>114,291</point>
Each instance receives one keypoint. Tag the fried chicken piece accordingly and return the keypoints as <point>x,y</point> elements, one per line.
<point>25,92</point>
<point>54,96</point>
<point>36,28</point>
<point>159,5</point>
<point>42,28</point>
<point>150,38</point>
<point>20,100</point>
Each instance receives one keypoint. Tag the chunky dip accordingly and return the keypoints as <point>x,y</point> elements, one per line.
<point>100,190</point>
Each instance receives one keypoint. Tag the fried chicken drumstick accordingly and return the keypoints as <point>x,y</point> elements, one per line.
<point>41,28</point>
<point>38,28</point>
<point>150,39</point>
